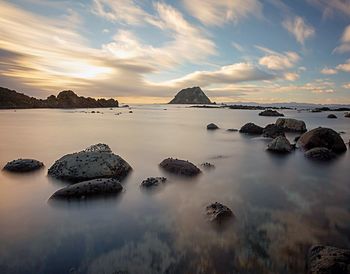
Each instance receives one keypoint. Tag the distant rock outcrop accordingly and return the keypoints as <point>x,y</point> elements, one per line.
<point>271,112</point>
<point>65,99</point>
<point>193,95</point>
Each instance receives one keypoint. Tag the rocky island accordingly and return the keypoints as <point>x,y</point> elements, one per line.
<point>11,99</point>
<point>193,95</point>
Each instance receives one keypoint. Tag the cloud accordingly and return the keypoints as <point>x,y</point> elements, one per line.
<point>238,47</point>
<point>291,76</point>
<point>329,7</point>
<point>216,13</point>
<point>345,42</point>
<point>299,28</point>
<point>320,86</point>
<point>329,71</point>
<point>347,86</point>
<point>278,61</point>
<point>344,67</point>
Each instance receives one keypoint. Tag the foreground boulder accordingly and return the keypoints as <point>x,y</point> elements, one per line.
<point>212,126</point>
<point>332,116</point>
<point>179,167</point>
<point>322,137</point>
<point>270,112</point>
<point>251,128</point>
<point>320,153</point>
<point>218,212</point>
<point>23,165</point>
<point>153,181</point>
<point>90,164</point>
<point>292,125</point>
<point>280,144</point>
<point>328,260</point>
<point>89,189</point>
<point>273,131</point>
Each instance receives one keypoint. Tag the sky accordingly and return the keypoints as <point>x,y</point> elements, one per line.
<point>145,51</point>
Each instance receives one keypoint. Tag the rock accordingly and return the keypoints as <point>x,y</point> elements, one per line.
<point>193,95</point>
<point>273,131</point>
<point>332,116</point>
<point>153,181</point>
<point>291,124</point>
<point>347,115</point>
<point>212,126</point>
<point>232,130</point>
<point>130,111</point>
<point>179,167</point>
<point>251,128</point>
<point>89,189</point>
<point>207,165</point>
<point>296,138</point>
<point>322,137</point>
<point>320,153</point>
<point>88,165</point>
<point>270,112</point>
<point>328,260</point>
<point>218,212</point>
<point>23,165</point>
<point>280,144</point>
<point>98,148</point>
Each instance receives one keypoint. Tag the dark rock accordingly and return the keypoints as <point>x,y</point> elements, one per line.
<point>98,148</point>
<point>322,137</point>
<point>207,165</point>
<point>23,165</point>
<point>280,144</point>
<point>192,95</point>
<point>232,129</point>
<point>179,167</point>
<point>212,126</point>
<point>251,128</point>
<point>153,181</point>
<point>292,125</point>
<point>332,116</point>
<point>270,112</point>
<point>347,115</point>
<point>218,212</point>
<point>320,153</point>
<point>130,111</point>
<point>328,260</point>
<point>273,131</point>
<point>90,164</point>
<point>296,139</point>
<point>89,189</point>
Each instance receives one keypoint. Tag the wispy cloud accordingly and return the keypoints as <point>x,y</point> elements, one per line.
<point>329,71</point>
<point>344,42</point>
<point>330,7</point>
<point>299,28</point>
<point>278,61</point>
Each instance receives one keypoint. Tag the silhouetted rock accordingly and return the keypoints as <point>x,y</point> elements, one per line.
<point>179,167</point>
<point>153,181</point>
<point>89,189</point>
<point>347,115</point>
<point>320,153</point>
<point>280,144</point>
<point>65,99</point>
<point>193,95</point>
<point>332,116</point>
<point>273,131</point>
<point>232,129</point>
<point>218,212</point>
<point>293,125</point>
<point>322,137</point>
<point>23,165</point>
<point>88,165</point>
<point>251,128</point>
<point>270,112</point>
<point>212,126</point>
<point>328,260</point>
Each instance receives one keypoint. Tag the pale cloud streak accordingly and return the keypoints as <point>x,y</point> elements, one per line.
<point>278,61</point>
<point>329,71</point>
<point>299,28</point>
<point>344,42</point>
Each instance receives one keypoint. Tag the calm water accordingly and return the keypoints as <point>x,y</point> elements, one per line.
<point>282,205</point>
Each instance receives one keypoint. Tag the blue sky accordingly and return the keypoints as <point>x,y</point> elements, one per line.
<point>146,51</point>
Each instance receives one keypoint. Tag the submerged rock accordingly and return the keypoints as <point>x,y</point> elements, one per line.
<point>153,181</point>
<point>23,165</point>
<point>232,130</point>
<point>88,165</point>
<point>320,153</point>
<point>89,189</point>
<point>332,116</point>
<point>273,131</point>
<point>271,112</point>
<point>179,167</point>
<point>293,125</point>
<point>328,260</point>
<point>218,212</point>
<point>212,126</point>
<point>251,128</point>
<point>322,137</point>
<point>280,144</point>
<point>207,165</point>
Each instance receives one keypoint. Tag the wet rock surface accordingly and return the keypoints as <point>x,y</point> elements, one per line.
<point>320,153</point>
<point>179,167</point>
<point>153,182</point>
<point>273,131</point>
<point>328,260</point>
<point>251,128</point>
<point>212,126</point>
<point>280,144</point>
<point>271,112</point>
<point>292,125</point>
<point>89,189</point>
<point>23,165</point>
<point>218,212</point>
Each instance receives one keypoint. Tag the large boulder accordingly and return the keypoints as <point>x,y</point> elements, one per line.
<point>89,164</point>
<point>193,95</point>
<point>280,144</point>
<point>271,112</point>
<point>273,131</point>
<point>322,137</point>
<point>328,260</point>
<point>251,128</point>
<point>218,212</point>
<point>212,126</point>
<point>89,189</point>
<point>292,125</point>
<point>23,165</point>
<point>179,167</point>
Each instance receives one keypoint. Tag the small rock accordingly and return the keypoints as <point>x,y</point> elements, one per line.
<point>251,128</point>
<point>232,129</point>
<point>332,116</point>
<point>23,165</point>
<point>153,181</point>
<point>130,111</point>
<point>179,167</point>
<point>207,165</point>
<point>280,144</point>
<point>273,131</point>
<point>212,126</point>
<point>320,153</point>
<point>270,112</point>
<point>291,124</point>
<point>218,212</point>
<point>347,115</point>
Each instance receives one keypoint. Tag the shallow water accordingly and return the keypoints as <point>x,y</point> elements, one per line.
<point>282,204</point>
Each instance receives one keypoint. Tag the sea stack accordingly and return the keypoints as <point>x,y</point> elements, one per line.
<point>193,95</point>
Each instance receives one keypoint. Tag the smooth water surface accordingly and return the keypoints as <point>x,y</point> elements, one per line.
<point>282,204</point>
